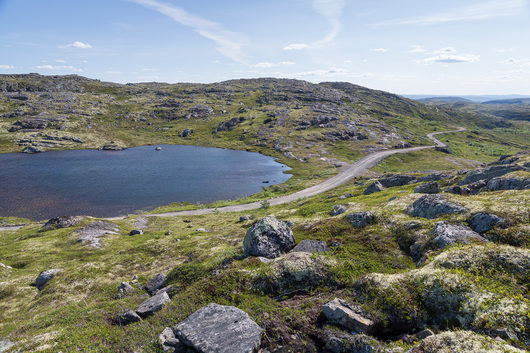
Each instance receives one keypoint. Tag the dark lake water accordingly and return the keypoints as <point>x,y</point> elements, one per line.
<point>114,183</point>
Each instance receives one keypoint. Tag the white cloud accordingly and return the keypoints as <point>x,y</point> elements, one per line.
<point>479,11</point>
<point>446,50</point>
<point>57,68</point>
<point>381,50</point>
<point>450,59</point>
<point>114,72</point>
<point>227,42</point>
<point>267,65</point>
<point>417,49</point>
<point>296,46</point>
<point>7,67</point>
<point>78,45</point>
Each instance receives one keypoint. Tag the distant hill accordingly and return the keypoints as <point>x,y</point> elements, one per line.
<point>445,100</point>
<point>509,101</point>
<point>473,98</point>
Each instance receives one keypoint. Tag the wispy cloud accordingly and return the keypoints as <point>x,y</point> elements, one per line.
<point>381,50</point>
<point>479,11</point>
<point>59,67</point>
<point>227,42</point>
<point>417,49</point>
<point>322,73</point>
<point>331,10</point>
<point>6,67</point>
<point>267,65</point>
<point>450,59</point>
<point>78,45</point>
<point>446,50</point>
<point>514,61</point>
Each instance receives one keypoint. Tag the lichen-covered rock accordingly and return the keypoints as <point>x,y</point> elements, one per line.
<point>482,222</point>
<point>294,271</point>
<point>342,342</point>
<point>156,283</point>
<point>220,329</point>
<point>337,210</point>
<point>489,172</point>
<point>396,180</point>
<point>428,188</point>
<point>448,234</point>
<point>269,238</point>
<point>125,288</point>
<point>153,304</point>
<point>376,186</point>
<point>126,318</point>
<point>311,246</point>
<point>434,177</point>
<point>361,219</point>
<point>432,206</point>
<point>342,313</point>
<point>169,342</point>
<point>497,184</point>
<point>62,222</point>
<point>462,341</point>
<point>44,277</point>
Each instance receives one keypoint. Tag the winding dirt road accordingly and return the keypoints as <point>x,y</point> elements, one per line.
<point>340,179</point>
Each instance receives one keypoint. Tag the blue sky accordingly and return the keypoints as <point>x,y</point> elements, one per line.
<point>401,46</point>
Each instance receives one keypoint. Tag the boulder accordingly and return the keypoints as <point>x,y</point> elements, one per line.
<point>337,210</point>
<point>447,234</point>
<point>220,329</point>
<point>156,283</point>
<point>136,232</point>
<point>186,132</point>
<point>244,218</point>
<point>310,246</point>
<point>482,222</point>
<point>341,313</point>
<point>428,188</point>
<point>496,184</point>
<point>44,277</point>
<point>269,238</point>
<point>434,177</point>
<point>62,222</point>
<point>230,124</point>
<point>361,219</point>
<point>489,173</point>
<point>169,342</point>
<point>126,318</point>
<point>125,288</point>
<point>345,196</point>
<point>396,180</point>
<point>32,149</point>
<point>432,206</point>
<point>342,342</point>
<point>376,186</point>
<point>153,304</point>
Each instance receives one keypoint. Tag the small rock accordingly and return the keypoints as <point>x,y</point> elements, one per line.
<point>424,334</point>
<point>169,342</point>
<point>158,148</point>
<point>392,198</point>
<point>376,186</point>
<point>396,180</point>
<point>428,188</point>
<point>244,218</point>
<point>361,219</point>
<point>338,209</point>
<point>345,196</point>
<point>153,304</point>
<point>341,313</point>
<point>31,150</point>
<point>156,283</point>
<point>269,238</point>
<point>126,318</point>
<point>125,288</point>
<point>311,246</point>
<point>413,225</point>
<point>44,277</point>
<point>136,232</point>
<point>203,230</point>
<point>447,234</point>
<point>5,266</point>
<point>483,222</point>
<point>93,232</point>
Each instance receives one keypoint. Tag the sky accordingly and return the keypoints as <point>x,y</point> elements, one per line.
<point>450,47</point>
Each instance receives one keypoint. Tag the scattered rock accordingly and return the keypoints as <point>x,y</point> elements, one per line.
<point>376,186</point>
<point>169,342</point>
<point>310,246</point>
<point>44,277</point>
<point>432,206</point>
<point>244,218</point>
<point>396,180</point>
<point>434,177</point>
<point>158,148</point>
<point>5,345</point>
<point>126,318</point>
<point>361,219</point>
<point>136,232</point>
<point>230,124</point>
<point>125,288</point>
<point>338,209</point>
<point>32,149</point>
<point>489,173</point>
<point>341,342</point>
<point>62,222</point>
<point>186,132</point>
<point>345,196</point>
<point>482,222</point>
<point>424,334</point>
<point>201,111</point>
<point>341,313</point>
<point>269,238</point>
<point>112,147</point>
<point>428,188</point>
<point>217,328</point>
<point>496,184</point>
<point>92,233</point>
<point>447,234</point>
<point>156,283</point>
<point>153,304</point>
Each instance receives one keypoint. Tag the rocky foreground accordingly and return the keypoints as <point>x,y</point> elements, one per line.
<point>409,263</point>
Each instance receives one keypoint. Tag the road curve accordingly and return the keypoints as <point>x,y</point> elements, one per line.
<point>340,179</point>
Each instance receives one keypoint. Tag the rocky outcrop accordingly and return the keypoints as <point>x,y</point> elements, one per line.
<point>268,238</point>
<point>497,184</point>
<point>341,313</point>
<point>153,304</point>
<point>482,222</point>
<point>376,186</point>
<point>92,233</point>
<point>230,124</point>
<point>396,180</point>
<point>169,342</point>
<point>432,206</point>
<point>156,283</point>
<point>217,328</point>
<point>489,173</point>
<point>428,188</point>
<point>446,234</point>
<point>200,111</point>
<point>186,132</point>
<point>434,177</point>
<point>62,222</point>
<point>310,246</point>
<point>361,219</point>
<point>32,149</point>
<point>44,277</point>
<point>337,210</point>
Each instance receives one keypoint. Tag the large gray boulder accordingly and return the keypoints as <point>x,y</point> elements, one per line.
<point>428,188</point>
<point>489,173</point>
<point>44,277</point>
<point>220,329</point>
<point>432,206</point>
<point>268,238</point>
<point>340,312</point>
<point>482,222</point>
<point>496,184</point>
<point>156,283</point>
<point>396,180</point>
<point>310,246</point>
<point>361,219</point>
<point>376,186</point>
<point>153,304</point>
<point>447,234</point>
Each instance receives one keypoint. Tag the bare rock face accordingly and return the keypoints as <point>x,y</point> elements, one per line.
<point>268,238</point>
<point>340,312</point>
<point>482,222</point>
<point>44,277</point>
<point>376,186</point>
<point>92,233</point>
<point>447,234</point>
<point>219,329</point>
<point>432,206</point>
<point>153,304</point>
<point>62,222</point>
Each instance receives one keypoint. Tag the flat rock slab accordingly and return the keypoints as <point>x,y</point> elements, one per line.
<point>311,246</point>
<point>153,304</point>
<point>448,234</point>
<point>92,233</point>
<point>220,329</point>
<point>341,313</point>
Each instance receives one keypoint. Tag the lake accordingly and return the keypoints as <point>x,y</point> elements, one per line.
<point>114,183</point>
